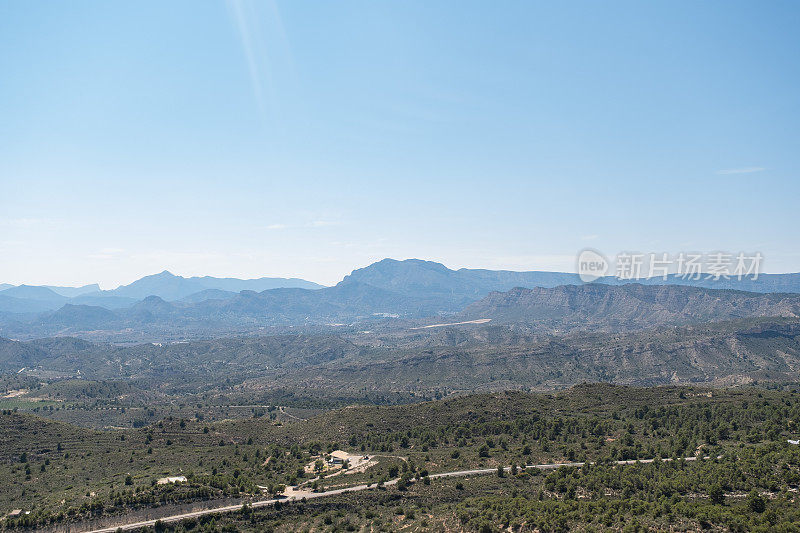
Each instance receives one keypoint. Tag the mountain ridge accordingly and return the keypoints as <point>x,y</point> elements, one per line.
<point>410,289</point>
<point>164,284</point>
<point>556,310</point>
<point>628,306</point>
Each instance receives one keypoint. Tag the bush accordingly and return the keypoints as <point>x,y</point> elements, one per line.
<point>755,502</point>
<point>716,494</point>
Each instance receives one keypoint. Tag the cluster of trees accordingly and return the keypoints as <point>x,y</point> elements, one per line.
<point>626,433</point>
<point>748,489</point>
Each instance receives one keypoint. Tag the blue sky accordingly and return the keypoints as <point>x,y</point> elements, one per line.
<point>310,138</point>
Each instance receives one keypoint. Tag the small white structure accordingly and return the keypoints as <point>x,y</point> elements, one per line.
<point>175,479</point>
<point>338,457</point>
<point>795,442</point>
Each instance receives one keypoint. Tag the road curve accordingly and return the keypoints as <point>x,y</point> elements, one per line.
<point>334,492</point>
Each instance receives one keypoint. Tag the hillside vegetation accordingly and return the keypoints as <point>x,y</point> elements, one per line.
<point>425,364</point>
<point>62,473</point>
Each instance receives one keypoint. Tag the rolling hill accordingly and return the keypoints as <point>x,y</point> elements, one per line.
<point>487,358</point>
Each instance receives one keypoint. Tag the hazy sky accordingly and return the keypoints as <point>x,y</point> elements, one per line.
<point>309,138</point>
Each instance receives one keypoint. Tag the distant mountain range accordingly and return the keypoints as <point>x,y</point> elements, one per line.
<point>71,292</point>
<point>627,307</point>
<point>416,277</point>
<point>391,328</point>
<point>165,305</point>
<point>164,285</point>
<point>170,287</point>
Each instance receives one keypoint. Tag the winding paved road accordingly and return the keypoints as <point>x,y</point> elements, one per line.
<point>356,488</point>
